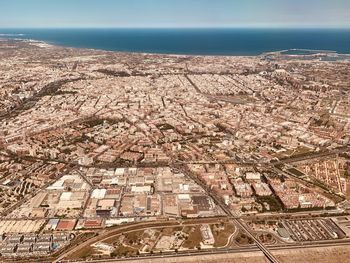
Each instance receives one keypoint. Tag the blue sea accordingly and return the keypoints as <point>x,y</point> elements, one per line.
<point>191,41</point>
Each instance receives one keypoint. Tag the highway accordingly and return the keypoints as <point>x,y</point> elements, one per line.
<point>260,245</point>
<point>110,232</point>
<point>266,250</point>
<point>220,251</point>
<point>313,156</point>
<point>105,234</point>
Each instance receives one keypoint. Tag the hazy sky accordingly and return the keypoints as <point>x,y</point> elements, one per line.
<point>174,13</point>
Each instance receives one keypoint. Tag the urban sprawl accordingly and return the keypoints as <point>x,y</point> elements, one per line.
<point>107,155</point>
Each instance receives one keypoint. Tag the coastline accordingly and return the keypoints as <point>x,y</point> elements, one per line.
<point>313,52</point>
<point>48,44</point>
<point>191,42</point>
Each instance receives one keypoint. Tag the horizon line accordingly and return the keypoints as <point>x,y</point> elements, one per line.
<point>176,27</point>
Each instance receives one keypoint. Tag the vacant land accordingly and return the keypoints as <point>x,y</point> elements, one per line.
<point>194,237</point>
<point>222,233</point>
<point>307,255</point>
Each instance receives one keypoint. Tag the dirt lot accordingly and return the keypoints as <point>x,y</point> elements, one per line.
<point>311,255</point>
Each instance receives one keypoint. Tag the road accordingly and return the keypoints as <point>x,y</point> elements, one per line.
<point>10,209</point>
<point>229,213</point>
<point>222,251</point>
<point>313,156</point>
<point>104,234</point>
<point>238,221</point>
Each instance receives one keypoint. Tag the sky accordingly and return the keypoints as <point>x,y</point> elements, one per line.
<point>174,13</point>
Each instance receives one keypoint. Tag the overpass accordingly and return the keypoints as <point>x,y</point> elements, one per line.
<point>229,213</point>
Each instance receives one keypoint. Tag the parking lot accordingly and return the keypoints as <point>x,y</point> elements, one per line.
<point>313,230</point>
